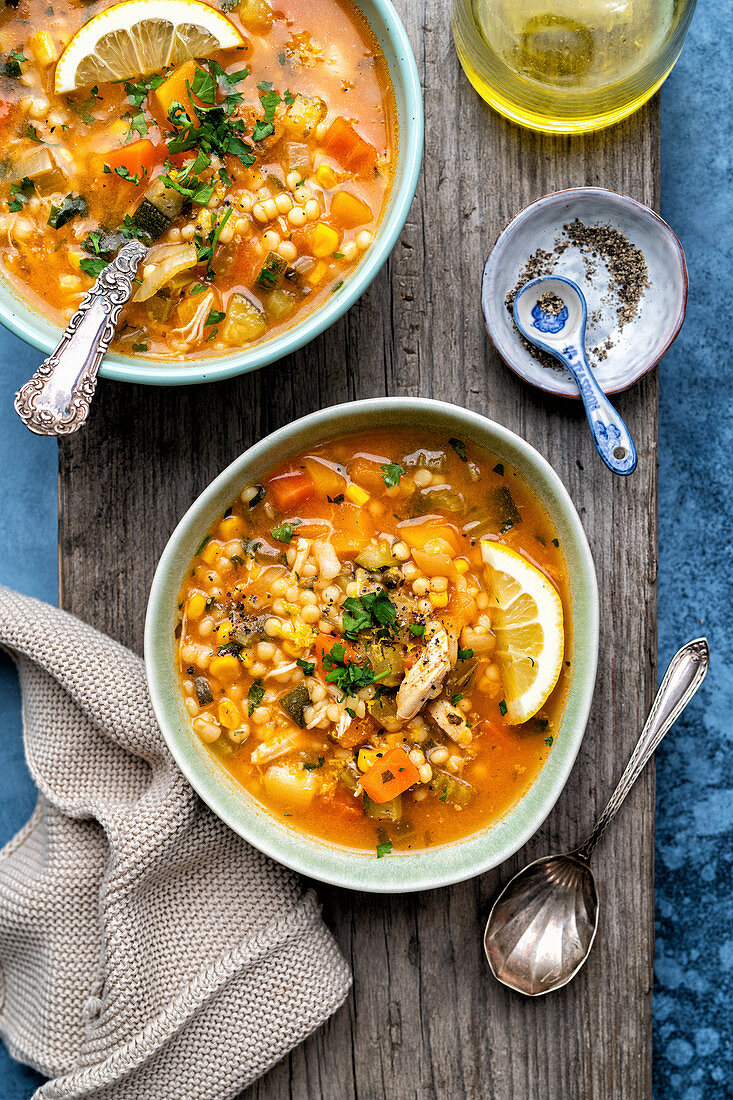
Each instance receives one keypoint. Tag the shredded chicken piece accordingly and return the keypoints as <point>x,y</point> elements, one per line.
<point>265,752</point>
<point>452,721</point>
<point>425,679</point>
<point>328,564</point>
<point>193,331</point>
<point>280,669</point>
<point>302,553</point>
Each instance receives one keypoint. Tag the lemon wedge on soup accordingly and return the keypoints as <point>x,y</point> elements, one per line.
<point>527,620</point>
<point>139,37</point>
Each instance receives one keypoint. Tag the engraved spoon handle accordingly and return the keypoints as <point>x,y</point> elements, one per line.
<point>56,400</point>
<point>686,672</point>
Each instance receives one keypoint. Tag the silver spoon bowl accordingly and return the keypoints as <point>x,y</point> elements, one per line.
<point>542,925</point>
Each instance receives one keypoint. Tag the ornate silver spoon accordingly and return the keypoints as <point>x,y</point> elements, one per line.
<point>56,400</point>
<point>541,927</point>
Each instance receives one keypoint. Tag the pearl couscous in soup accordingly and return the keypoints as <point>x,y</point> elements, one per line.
<point>258,173</point>
<point>371,640</point>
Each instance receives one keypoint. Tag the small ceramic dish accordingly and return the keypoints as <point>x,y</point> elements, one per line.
<point>358,869</point>
<point>625,353</point>
<point>35,329</point>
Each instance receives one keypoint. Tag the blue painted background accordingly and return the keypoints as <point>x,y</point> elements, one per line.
<point>693,1034</point>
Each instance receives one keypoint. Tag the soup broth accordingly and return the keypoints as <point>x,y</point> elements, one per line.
<point>258,176</point>
<point>311,619</point>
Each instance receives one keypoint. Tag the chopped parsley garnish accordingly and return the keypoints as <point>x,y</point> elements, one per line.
<point>556,542</point>
<point>391,473</point>
<point>12,65</point>
<point>502,707</point>
<point>464,654</point>
<point>213,131</point>
<point>455,699</point>
<point>364,612</point>
<point>203,87</point>
<point>283,532</point>
<point>204,543</point>
<point>69,208</point>
<point>347,676</point>
<point>93,265</point>
<point>254,697</point>
<point>139,347</point>
<point>417,629</point>
<point>126,174</point>
<point>31,132</point>
<point>460,448</point>
<point>384,849</point>
<point>259,495</point>
<point>549,740</point>
<point>19,194</point>
<point>199,288</point>
<point>215,317</point>
<point>444,796</point>
<point>309,667</point>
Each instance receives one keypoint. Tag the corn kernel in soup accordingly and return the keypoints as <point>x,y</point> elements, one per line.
<point>258,176</point>
<point>336,650</point>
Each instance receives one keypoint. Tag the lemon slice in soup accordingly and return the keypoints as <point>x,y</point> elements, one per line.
<point>139,37</point>
<point>527,620</point>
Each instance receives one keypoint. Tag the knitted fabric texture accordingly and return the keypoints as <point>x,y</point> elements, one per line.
<point>146,951</point>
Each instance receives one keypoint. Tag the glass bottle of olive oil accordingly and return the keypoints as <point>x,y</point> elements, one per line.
<point>568,65</point>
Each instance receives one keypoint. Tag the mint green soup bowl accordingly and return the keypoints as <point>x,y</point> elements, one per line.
<point>387,27</point>
<point>324,860</point>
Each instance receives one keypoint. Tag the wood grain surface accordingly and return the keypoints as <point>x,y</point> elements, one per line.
<point>426,1019</point>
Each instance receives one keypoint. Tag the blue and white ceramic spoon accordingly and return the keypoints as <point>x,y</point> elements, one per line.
<point>561,332</point>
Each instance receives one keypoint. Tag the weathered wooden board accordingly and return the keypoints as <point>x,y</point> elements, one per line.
<point>426,1019</point>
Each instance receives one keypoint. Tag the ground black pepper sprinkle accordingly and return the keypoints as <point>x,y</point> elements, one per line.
<point>627,271</point>
<point>550,303</point>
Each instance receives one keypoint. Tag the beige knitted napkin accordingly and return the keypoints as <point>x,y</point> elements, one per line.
<point>146,951</point>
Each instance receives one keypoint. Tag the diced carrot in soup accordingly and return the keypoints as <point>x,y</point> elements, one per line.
<point>349,210</point>
<point>326,477</point>
<point>346,145</point>
<point>176,90</point>
<point>430,536</point>
<point>289,491</point>
<point>353,528</point>
<point>139,158</point>
<point>368,473</point>
<point>390,776</point>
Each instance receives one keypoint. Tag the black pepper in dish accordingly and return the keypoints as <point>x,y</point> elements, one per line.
<point>551,304</point>
<point>628,277</point>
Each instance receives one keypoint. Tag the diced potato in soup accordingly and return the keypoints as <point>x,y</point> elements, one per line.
<point>337,623</point>
<point>258,175</point>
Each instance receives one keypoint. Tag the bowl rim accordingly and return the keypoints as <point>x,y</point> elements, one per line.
<point>505,353</point>
<point>327,862</point>
<point>406,81</point>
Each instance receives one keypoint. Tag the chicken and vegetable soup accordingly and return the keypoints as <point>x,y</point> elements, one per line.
<point>371,640</point>
<point>258,174</point>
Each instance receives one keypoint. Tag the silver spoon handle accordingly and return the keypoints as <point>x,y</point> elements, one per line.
<point>56,400</point>
<point>686,672</point>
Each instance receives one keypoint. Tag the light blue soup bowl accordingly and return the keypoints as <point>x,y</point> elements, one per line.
<point>31,326</point>
<point>329,862</point>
